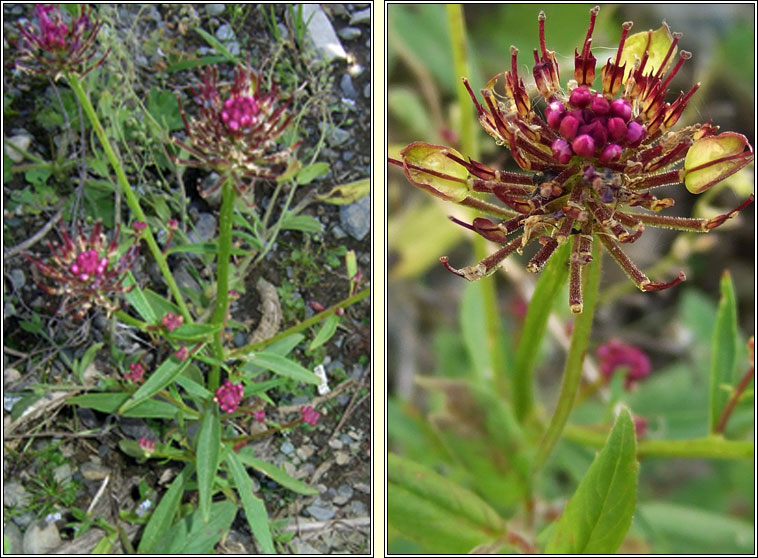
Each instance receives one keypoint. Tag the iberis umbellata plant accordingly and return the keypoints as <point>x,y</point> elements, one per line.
<point>595,153</point>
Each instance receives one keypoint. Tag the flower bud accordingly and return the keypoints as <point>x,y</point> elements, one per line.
<point>554,114</point>
<point>569,126</point>
<point>562,151</point>
<point>617,128</point>
<point>622,109</point>
<point>635,133</point>
<point>611,152</point>
<point>600,105</point>
<point>584,145</point>
<point>580,97</point>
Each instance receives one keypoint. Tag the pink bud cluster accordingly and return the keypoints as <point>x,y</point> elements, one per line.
<point>88,264</point>
<point>310,415</point>
<point>148,446</point>
<point>136,371</point>
<point>53,31</point>
<point>615,355</point>
<point>171,321</point>
<point>592,126</point>
<point>228,396</point>
<point>240,113</point>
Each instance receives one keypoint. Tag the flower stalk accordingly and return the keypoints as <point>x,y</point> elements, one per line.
<point>131,198</point>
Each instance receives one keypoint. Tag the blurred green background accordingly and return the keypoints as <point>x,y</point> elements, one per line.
<point>426,333</point>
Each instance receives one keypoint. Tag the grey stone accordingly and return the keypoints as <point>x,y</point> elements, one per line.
<point>344,493</point>
<point>225,33</point>
<point>363,16</point>
<point>301,547</point>
<point>13,535</point>
<point>337,136</point>
<point>18,279</point>
<point>10,376</point>
<point>349,33</point>
<point>63,473</point>
<point>367,91</point>
<point>321,34</point>
<point>338,233</point>
<point>336,444</point>
<point>41,538</point>
<point>94,471</point>
<point>287,448</point>
<point>185,280</point>
<point>304,452</point>
<point>205,228</point>
<point>15,495</point>
<point>136,428</point>
<point>347,156</point>
<point>343,399</point>
<point>240,339</point>
<point>213,197</point>
<point>321,510</point>
<point>290,468</point>
<point>215,9</point>
<point>22,142</point>
<point>356,508</point>
<point>233,47</point>
<point>341,457</point>
<point>355,218</point>
<point>346,84</point>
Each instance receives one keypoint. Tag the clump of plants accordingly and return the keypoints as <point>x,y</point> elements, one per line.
<point>209,396</point>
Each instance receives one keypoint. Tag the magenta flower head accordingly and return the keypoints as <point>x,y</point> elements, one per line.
<point>147,446</point>
<point>260,415</point>
<point>617,355</point>
<point>136,371</point>
<point>171,321</point>
<point>228,396</point>
<point>593,156</point>
<point>86,270</point>
<point>181,353</point>
<point>54,43</point>
<point>236,132</point>
<point>310,415</point>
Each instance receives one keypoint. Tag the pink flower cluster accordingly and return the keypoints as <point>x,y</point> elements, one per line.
<point>260,415</point>
<point>80,269</point>
<point>228,396</point>
<point>592,126</point>
<point>146,445</point>
<point>171,321</point>
<point>310,415</point>
<point>54,46</point>
<point>136,371</point>
<point>616,354</point>
<point>240,113</point>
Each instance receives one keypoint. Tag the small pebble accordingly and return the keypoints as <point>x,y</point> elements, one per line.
<point>20,141</point>
<point>321,510</point>
<point>41,538</point>
<point>342,457</point>
<point>215,9</point>
<point>363,16</point>
<point>349,33</point>
<point>344,493</point>
<point>335,444</point>
<point>287,448</point>
<point>94,471</point>
<point>15,495</point>
<point>225,33</point>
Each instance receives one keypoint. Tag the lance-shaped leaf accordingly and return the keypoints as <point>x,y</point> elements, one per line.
<point>710,160</point>
<point>724,350</point>
<point>598,516</point>
<point>428,166</point>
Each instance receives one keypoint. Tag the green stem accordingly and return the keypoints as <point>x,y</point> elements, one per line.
<point>573,372</point>
<point>238,353</point>
<point>225,223</point>
<point>131,198</point>
<point>710,447</point>
<point>132,321</point>
<point>548,287</point>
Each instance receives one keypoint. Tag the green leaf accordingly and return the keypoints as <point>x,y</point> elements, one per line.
<point>160,305</point>
<point>210,248</point>
<point>194,63</point>
<point>194,332</point>
<point>193,535</point>
<point>137,300</point>
<point>598,516</point>
<point>163,376</point>
<point>679,529</point>
<point>207,450</point>
<point>162,105</point>
<point>211,40</point>
<point>724,350</point>
<point>275,473</point>
<point>549,285</point>
<point>255,510</point>
<point>655,43</point>
<point>443,516</point>
<point>164,514</point>
<point>110,403</point>
<point>474,329</point>
<point>325,333</point>
<point>310,172</point>
<point>304,223</point>
<point>89,356</point>
<point>347,193</point>
<point>282,366</point>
